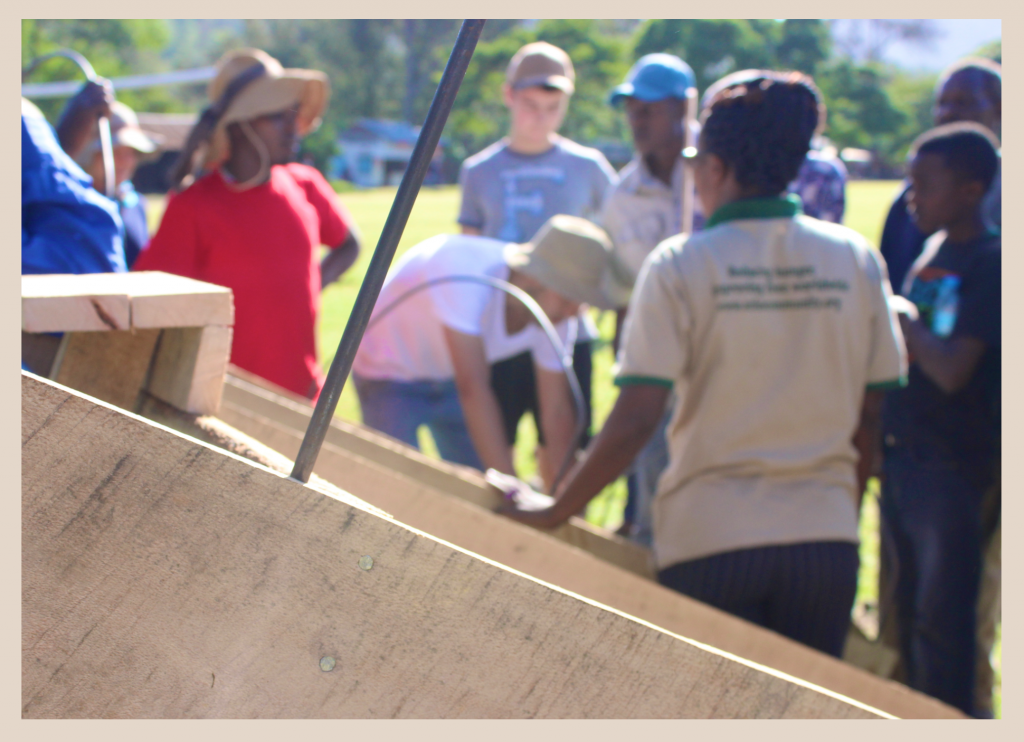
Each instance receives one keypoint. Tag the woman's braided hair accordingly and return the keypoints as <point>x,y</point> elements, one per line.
<point>761,128</point>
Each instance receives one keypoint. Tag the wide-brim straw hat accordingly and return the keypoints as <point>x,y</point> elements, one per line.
<point>276,90</point>
<point>574,258</point>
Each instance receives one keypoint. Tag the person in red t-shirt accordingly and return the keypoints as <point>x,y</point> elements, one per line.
<point>255,222</point>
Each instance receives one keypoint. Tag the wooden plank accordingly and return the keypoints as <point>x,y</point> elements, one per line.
<point>460,481</point>
<point>67,303</point>
<point>537,554</point>
<point>189,367</point>
<point>121,301</point>
<point>165,300</point>
<point>203,585</point>
<point>39,351</point>
<point>111,366</point>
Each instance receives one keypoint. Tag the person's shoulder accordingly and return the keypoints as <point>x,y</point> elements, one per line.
<point>827,166</point>
<point>831,234</point>
<point>629,178</point>
<point>575,149</point>
<point>304,174</point>
<point>485,155</point>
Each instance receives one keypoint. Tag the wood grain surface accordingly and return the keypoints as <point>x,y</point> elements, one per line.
<point>165,578</point>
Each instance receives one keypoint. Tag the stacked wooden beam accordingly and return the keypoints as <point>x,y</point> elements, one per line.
<point>124,333</point>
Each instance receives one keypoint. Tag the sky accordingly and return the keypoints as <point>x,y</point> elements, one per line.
<point>958,38</point>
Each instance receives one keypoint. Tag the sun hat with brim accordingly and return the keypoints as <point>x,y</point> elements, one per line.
<point>277,89</point>
<point>656,77</point>
<point>541,64</point>
<point>124,131</point>
<point>574,258</point>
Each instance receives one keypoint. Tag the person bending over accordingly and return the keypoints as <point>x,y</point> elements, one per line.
<point>430,359</point>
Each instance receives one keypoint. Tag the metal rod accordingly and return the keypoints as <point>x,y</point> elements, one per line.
<point>552,335</point>
<point>426,144</point>
<point>103,123</point>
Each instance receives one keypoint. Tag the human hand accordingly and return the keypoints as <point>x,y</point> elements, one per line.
<point>523,503</point>
<point>77,122</point>
<point>95,97</point>
<point>546,518</point>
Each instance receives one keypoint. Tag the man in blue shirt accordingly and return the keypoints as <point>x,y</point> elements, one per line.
<point>66,226</point>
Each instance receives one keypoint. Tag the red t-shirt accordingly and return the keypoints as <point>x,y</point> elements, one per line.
<point>262,243</point>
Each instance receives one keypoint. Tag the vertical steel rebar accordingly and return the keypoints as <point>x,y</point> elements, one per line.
<point>426,144</point>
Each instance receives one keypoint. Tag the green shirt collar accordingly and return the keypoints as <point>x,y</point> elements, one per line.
<point>757,208</point>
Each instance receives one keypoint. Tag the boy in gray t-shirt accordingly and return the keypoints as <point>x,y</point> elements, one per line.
<point>508,195</point>
<point>511,188</point>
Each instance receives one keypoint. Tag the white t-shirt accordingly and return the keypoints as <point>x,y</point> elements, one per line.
<point>408,344</point>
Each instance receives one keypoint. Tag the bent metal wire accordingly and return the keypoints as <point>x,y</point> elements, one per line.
<point>564,356</point>
<point>106,145</point>
<point>384,253</point>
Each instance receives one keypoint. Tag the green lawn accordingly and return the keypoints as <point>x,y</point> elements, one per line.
<point>435,213</point>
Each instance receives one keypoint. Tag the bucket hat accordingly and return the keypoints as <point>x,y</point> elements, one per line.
<point>574,258</point>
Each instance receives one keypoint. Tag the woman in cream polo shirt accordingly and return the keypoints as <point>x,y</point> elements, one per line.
<point>774,329</point>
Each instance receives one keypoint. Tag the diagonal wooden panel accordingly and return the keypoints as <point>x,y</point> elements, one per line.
<point>251,393</point>
<point>363,463</point>
<point>165,578</point>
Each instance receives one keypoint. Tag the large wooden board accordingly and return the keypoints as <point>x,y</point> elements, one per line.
<point>362,462</point>
<point>165,578</point>
<point>250,393</point>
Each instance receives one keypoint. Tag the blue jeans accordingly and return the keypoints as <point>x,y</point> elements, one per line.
<point>399,408</point>
<point>931,517</point>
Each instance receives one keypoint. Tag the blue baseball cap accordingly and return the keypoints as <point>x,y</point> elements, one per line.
<point>655,77</point>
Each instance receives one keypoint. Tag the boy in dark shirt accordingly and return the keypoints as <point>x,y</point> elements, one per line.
<point>942,430</point>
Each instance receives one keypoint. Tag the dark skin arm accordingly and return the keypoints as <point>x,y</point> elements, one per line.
<point>74,130</point>
<point>632,421</point>
<point>950,363</point>
<point>339,260</point>
<point>867,439</point>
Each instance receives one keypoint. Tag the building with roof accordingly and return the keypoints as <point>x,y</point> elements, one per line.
<point>376,152</point>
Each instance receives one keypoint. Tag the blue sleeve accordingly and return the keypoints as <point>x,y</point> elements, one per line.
<point>66,225</point>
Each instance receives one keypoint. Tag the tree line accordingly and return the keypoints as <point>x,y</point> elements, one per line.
<point>390,68</point>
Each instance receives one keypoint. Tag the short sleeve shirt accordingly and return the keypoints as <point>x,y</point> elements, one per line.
<point>769,326</point>
<point>263,243</point>
<point>957,289</point>
<point>405,339</point>
<point>642,211</point>
<point>508,196</point>
<point>821,186</point>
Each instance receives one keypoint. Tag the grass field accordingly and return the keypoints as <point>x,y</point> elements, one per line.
<point>435,213</point>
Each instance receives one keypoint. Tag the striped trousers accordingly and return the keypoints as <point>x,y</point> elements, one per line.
<point>803,591</point>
